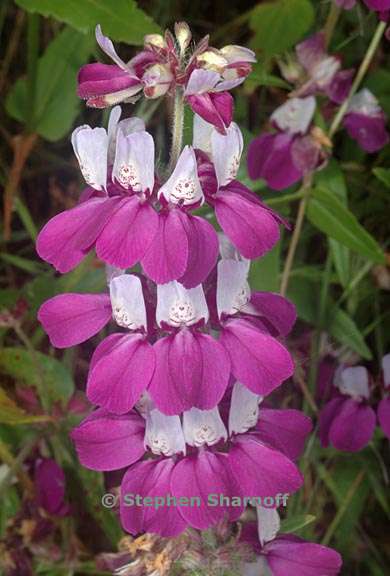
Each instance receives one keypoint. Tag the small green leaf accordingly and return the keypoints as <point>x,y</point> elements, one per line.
<point>10,413</point>
<point>119,19</point>
<point>279,25</point>
<point>56,102</point>
<point>21,365</point>
<point>264,272</point>
<point>294,524</point>
<point>260,77</point>
<point>25,264</point>
<point>344,329</point>
<point>328,214</point>
<point>383,175</point>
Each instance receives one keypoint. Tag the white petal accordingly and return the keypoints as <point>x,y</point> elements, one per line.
<point>235,54</point>
<point>258,568</point>
<point>202,134</point>
<point>112,272</point>
<point>295,115</point>
<point>268,524</point>
<point>233,290</point>
<point>386,370</point>
<point>364,102</point>
<point>353,382</point>
<point>201,81</point>
<point>203,427</point>
<point>228,251</point>
<point>108,47</point>
<point>244,409</point>
<point>178,306</point>
<point>127,301</point>
<point>144,405</point>
<point>226,153</point>
<point>127,126</point>
<point>90,146</point>
<point>183,186</point>
<point>229,84</point>
<point>324,71</point>
<point>163,434</point>
<point>134,161</point>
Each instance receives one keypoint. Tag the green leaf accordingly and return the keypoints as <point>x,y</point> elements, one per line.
<point>264,272</point>
<point>10,413</point>
<point>122,20</point>
<point>294,524</point>
<point>25,216</point>
<point>21,365</point>
<point>56,102</point>
<point>344,329</point>
<point>383,175</point>
<point>279,25</point>
<point>260,77</point>
<point>328,214</point>
<point>9,508</point>
<point>25,264</point>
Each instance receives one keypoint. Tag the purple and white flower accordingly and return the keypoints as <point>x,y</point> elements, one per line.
<point>365,122</point>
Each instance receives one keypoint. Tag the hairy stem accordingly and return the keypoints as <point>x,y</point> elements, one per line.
<point>359,77</point>
<point>177,129</point>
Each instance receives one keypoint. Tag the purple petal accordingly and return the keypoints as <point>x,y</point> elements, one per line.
<point>258,360</point>
<point>384,416</point>
<point>202,250</point>
<point>276,309</point>
<point>201,81</point>
<point>216,108</point>
<point>151,479</point>
<point>295,557</point>
<point>340,86</point>
<point>192,370</point>
<point>267,471</point>
<point>284,430</point>
<point>49,482</point>
<point>352,427</point>
<point>311,51</point>
<point>327,415</point>
<point>108,442</point>
<point>378,5</point>
<point>129,233</point>
<point>68,237</point>
<point>108,47</point>
<point>203,477</point>
<point>70,319</point>
<point>104,348</point>
<point>250,227</point>
<point>118,378</point>
<point>369,131</point>
<point>167,256</point>
<point>100,79</point>
<point>270,157</point>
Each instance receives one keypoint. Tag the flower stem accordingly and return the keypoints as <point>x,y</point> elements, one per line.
<point>177,129</point>
<point>359,77</point>
<point>331,22</point>
<point>296,235</point>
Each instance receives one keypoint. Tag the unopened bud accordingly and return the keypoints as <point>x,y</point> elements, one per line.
<point>155,41</point>
<point>212,60</point>
<point>183,35</point>
<point>157,80</point>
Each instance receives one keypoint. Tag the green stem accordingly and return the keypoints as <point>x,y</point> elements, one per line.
<point>177,129</point>
<point>359,77</point>
<point>331,22</point>
<point>285,199</point>
<point>296,235</point>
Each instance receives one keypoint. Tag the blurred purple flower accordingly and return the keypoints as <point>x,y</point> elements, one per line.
<point>49,481</point>
<point>365,122</point>
<point>383,411</point>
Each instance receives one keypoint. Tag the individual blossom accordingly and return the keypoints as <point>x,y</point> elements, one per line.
<point>347,422</point>
<point>283,157</point>
<point>206,75</point>
<point>383,411</point>
<point>365,122</point>
<point>250,225</point>
<point>126,215</point>
<point>190,458</point>
<point>49,480</point>
<point>377,5</point>
<point>122,365</point>
<point>282,554</point>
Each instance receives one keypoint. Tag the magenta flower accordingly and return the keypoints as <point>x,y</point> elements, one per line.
<point>347,422</point>
<point>49,482</point>
<point>384,405</point>
<point>285,553</point>
<point>123,364</point>
<point>320,67</point>
<point>365,122</point>
<point>284,157</point>
<point>206,76</point>
<point>377,5</point>
<point>188,458</point>
<point>248,223</point>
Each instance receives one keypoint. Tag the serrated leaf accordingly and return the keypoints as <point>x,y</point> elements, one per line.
<point>56,102</point>
<point>20,364</point>
<point>122,20</point>
<point>294,524</point>
<point>328,214</point>
<point>279,25</point>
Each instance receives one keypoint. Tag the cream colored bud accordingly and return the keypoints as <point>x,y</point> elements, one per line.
<point>155,41</point>
<point>212,60</point>
<point>183,35</point>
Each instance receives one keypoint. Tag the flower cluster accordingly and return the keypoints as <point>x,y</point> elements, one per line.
<point>206,75</point>
<point>297,146</point>
<point>179,385</point>
<point>347,420</point>
<point>381,6</point>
